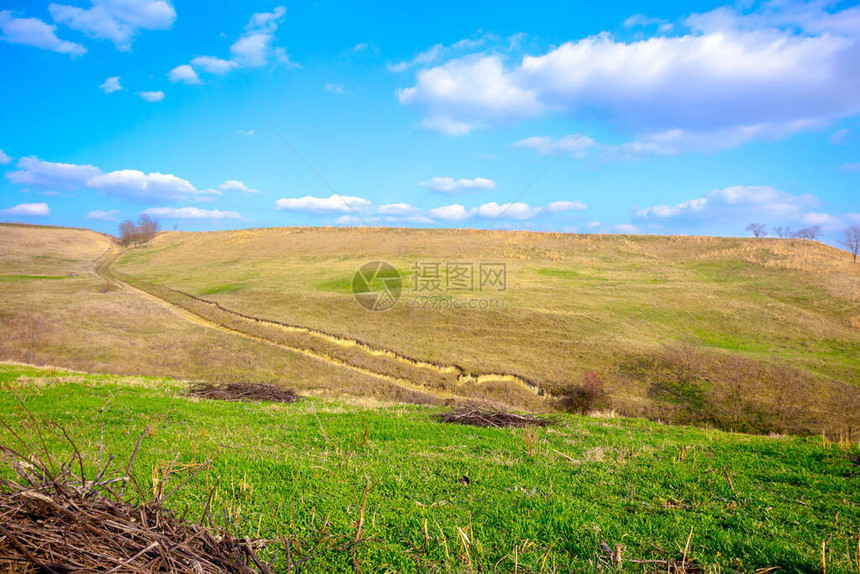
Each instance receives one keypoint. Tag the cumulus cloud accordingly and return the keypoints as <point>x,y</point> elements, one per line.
<point>152,96</point>
<point>451,185</point>
<point>332,204</point>
<point>4,159</point>
<point>125,183</point>
<point>455,212</point>
<point>213,65</point>
<point>254,48</point>
<point>36,33</point>
<point>190,213</point>
<point>134,184</point>
<point>51,176</point>
<point>235,185</point>
<point>183,74</point>
<point>102,215</point>
<point>111,85</point>
<point>727,78</point>
<point>28,210</point>
<point>116,20</point>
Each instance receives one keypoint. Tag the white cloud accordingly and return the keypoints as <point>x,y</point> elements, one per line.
<point>518,211</point>
<point>28,210</point>
<point>254,48</point>
<point>451,185</point>
<point>51,176</point>
<point>235,185</point>
<point>332,204</point>
<point>455,212</point>
<point>4,159</point>
<point>560,206</point>
<point>152,96</point>
<point>594,224</point>
<point>735,204</point>
<point>135,184</point>
<point>851,166</point>
<point>831,223</point>
<point>184,74</point>
<point>116,20</point>
<point>190,213</point>
<point>36,33</point>
<point>101,215</point>
<point>247,133</point>
<point>111,85</point>
<point>214,65</point>
<point>729,75</point>
<point>337,89</point>
<point>125,183</point>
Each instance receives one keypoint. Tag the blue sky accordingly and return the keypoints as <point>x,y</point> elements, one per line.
<point>693,117</point>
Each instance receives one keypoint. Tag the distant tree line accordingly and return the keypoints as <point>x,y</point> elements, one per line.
<point>850,236</point>
<point>131,233</point>
<point>760,230</point>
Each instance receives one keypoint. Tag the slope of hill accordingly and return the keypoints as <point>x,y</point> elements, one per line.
<point>736,332</point>
<point>758,335</point>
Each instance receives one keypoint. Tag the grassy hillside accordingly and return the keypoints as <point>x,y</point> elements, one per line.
<point>536,500</point>
<point>742,333</point>
<point>78,320</point>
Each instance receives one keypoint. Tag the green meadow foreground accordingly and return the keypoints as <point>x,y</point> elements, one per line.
<point>537,500</point>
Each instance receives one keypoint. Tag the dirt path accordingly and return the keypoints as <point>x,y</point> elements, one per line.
<point>443,381</point>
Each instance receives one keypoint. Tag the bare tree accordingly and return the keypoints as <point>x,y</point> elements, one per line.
<point>136,233</point>
<point>851,240</point>
<point>148,227</point>
<point>813,232</point>
<point>782,231</point>
<point>757,229</point>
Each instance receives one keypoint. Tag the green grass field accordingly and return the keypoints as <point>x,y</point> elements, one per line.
<point>537,500</point>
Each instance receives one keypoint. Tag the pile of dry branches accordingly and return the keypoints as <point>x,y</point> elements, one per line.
<point>482,415</point>
<point>55,520</point>
<point>243,392</point>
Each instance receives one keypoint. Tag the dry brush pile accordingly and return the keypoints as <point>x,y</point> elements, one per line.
<point>55,520</point>
<point>243,392</point>
<point>482,415</point>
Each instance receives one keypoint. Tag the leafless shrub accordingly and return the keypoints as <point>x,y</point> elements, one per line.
<point>584,397</point>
